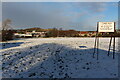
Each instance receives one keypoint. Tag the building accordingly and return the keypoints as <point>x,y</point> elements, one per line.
<point>87,33</point>
<point>31,34</point>
<point>22,35</point>
<point>37,34</point>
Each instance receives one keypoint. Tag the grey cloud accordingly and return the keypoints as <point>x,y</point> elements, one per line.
<point>60,0</point>
<point>46,17</point>
<point>98,7</point>
<point>93,6</point>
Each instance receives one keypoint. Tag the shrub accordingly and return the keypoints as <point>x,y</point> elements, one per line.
<point>7,35</point>
<point>85,35</point>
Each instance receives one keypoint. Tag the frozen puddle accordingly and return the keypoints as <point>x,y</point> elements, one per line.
<point>82,46</point>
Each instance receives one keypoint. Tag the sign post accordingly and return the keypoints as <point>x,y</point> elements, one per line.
<point>96,46</point>
<point>105,27</point>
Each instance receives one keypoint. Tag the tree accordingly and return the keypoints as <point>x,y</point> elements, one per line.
<point>85,35</point>
<point>6,24</point>
<point>52,33</point>
<point>7,33</point>
<point>100,35</point>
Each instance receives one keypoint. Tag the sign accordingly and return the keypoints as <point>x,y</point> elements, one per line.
<point>106,26</point>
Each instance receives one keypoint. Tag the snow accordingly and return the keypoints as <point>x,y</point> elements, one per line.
<point>58,58</point>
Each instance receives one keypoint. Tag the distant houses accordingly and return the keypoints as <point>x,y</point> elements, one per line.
<point>63,33</point>
<point>22,35</point>
<point>30,34</point>
<point>38,32</point>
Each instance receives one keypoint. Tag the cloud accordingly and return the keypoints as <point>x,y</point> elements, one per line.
<point>0,15</point>
<point>79,16</point>
<point>44,16</point>
<point>92,6</point>
<point>98,7</point>
<point>0,11</point>
<point>60,0</point>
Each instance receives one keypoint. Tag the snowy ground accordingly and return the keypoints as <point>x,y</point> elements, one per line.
<point>57,58</point>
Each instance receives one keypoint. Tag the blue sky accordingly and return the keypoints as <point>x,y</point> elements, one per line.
<point>82,16</point>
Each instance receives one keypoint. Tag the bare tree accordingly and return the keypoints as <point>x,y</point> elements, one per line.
<point>6,24</point>
<point>7,32</point>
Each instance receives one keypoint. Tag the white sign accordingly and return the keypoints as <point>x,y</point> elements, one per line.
<point>106,26</point>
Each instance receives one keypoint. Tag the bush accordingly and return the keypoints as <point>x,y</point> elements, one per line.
<point>100,35</point>
<point>93,35</point>
<point>52,33</point>
<point>7,35</point>
<point>85,35</point>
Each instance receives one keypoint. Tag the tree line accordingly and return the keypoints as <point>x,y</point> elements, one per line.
<point>7,32</point>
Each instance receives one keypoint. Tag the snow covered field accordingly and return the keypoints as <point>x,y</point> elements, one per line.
<point>57,58</point>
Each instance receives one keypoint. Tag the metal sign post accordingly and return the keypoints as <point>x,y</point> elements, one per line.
<point>105,27</point>
<point>112,37</point>
<point>96,46</point>
<point>113,46</point>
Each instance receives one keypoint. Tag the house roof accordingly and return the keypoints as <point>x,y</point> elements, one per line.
<point>84,32</point>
